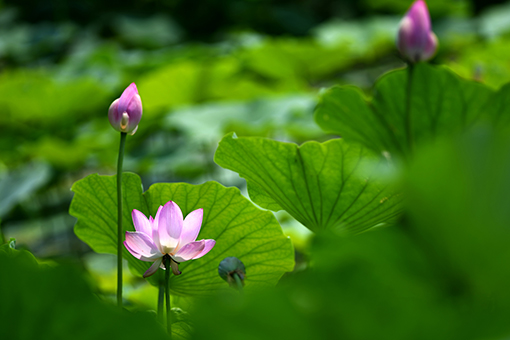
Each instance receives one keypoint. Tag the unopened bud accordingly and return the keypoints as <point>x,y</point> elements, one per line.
<point>231,267</point>
<point>125,112</point>
<point>415,40</point>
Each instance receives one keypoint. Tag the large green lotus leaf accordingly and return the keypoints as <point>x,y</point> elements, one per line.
<point>239,228</point>
<point>440,103</point>
<point>322,185</point>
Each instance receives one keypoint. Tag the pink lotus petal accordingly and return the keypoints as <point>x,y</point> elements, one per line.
<point>126,97</point>
<point>404,41</point>
<point>113,114</point>
<point>141,223</point>
<point>155,232</point>
<point>189,251</point>
<point>134,107</point>
<point>209,244</point>
<point>191,227</point>
<point>153,268</point>
<point>169,227</point>
<point>141,246</point>
<point>419,15</point>
<point>431,47</point>
<point>134,131</point>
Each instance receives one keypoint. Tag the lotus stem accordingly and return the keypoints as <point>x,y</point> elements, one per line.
<point>119,218</point>
<point>161,295</point>
<point>408,124</point>
<point>167,295</point>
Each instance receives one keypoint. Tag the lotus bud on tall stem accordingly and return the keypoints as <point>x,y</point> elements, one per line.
<point>124,115</point>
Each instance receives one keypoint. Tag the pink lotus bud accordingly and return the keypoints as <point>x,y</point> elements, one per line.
<point>415,40</point>
<point>125,112</point>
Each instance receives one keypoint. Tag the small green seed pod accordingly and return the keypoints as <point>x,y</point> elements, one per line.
<point>232,270</point>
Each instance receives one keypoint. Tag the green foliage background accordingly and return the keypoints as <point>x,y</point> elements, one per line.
<point>294,72</point>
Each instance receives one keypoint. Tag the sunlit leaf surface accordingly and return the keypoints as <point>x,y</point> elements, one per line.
<point>323,186</point>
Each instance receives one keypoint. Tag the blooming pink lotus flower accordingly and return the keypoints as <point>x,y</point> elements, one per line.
<point>167,235</point>
<point>125,112</point>
<point>415,40</point>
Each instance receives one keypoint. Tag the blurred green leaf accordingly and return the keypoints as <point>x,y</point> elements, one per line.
<point>239,228</point>
<point>16,186</point>
<point>43,302</point>
<point>323,186</point>
<point>337,45</point>
<point>8,252</point>
<point>156,31</point>
<point>355,40</point>
<point>486,61</point>
<point>35,97</point>
<point>172,85</point>
<point>441,103</point>
<point>375,285</point>
<point>497,108</point>
<point>458,195</point>
<point>60,153</point>
<point>181,325</point>
<point>494,21</point>
<point>289,116</point>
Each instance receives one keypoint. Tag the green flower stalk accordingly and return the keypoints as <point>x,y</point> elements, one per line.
<point>167,261</point>
<point>124,115</point>
<point>161,296</point>
<point>119,218</point>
